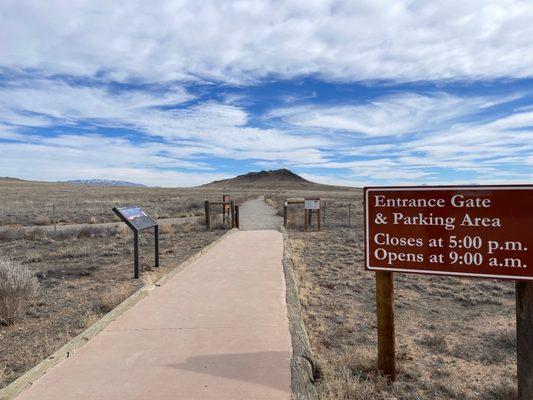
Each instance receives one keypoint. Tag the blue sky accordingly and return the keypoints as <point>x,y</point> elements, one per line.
<point>179,93</point>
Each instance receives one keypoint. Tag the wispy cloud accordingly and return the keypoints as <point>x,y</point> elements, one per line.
<point>243,42</point>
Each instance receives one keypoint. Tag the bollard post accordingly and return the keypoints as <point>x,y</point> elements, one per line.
<point>237,223</point>
<point>285,207</point>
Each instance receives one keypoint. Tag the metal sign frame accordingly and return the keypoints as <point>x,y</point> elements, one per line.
<point>147,223</point>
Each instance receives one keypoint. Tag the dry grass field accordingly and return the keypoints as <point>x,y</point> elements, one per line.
<point>38,203</point>
<point>455,337</point>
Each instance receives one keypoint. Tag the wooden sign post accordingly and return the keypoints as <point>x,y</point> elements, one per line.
<point>231,215</point>
<point>310,204</point>
<point>476,231</point>
<point>524,339</point>
<point>226,208</point>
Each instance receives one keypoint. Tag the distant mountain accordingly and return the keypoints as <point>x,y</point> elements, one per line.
<point>279,178</point>
<point>102,182</point>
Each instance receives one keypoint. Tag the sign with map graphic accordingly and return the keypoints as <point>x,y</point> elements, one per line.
<point>135,217</point>
<point>478,231</point>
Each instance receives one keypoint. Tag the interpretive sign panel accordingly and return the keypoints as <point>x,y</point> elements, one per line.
<point>137,220</point>
<point>312,203</point>
<point>480,231</point>
<point>136,217</point>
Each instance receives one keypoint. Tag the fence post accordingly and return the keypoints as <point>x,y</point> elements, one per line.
<point>207,216</point>
<point>349,214</point>
<point>232,210</point>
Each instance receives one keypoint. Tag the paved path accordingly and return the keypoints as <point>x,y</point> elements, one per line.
<point>218,330</point>
<point>256,214</point>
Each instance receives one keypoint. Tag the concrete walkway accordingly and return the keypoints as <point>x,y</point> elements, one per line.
<point>218,330</point>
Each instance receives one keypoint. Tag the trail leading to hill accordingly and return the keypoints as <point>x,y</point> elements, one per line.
<point>218,330</point>
<point>257,215</point>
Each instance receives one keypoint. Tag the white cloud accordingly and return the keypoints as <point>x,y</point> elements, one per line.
<point>391,115</point>
<point>207,128</point>
<point>237,41</point>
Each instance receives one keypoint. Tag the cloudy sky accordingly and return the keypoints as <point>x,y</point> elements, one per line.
<point>178,93</point>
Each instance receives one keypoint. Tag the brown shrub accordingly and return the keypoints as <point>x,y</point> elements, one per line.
<point>7,235</point>
<point>42,220</point>
<point>90,319</point>
<point>166,229</point>
<point>112,298</point>
<point>18,288</point>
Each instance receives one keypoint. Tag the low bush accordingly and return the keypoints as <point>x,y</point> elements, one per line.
<point>42,220</point>
<point>18,288</point>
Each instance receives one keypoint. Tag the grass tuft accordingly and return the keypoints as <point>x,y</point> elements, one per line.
<point>18,288</point>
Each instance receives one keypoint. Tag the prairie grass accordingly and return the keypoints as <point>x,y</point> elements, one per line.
<point>18,288</point>
<point>114,296</point>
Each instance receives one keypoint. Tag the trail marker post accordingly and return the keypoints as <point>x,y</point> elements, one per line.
<point>138,220</point>
<point>226,207</point>
<point>310,204</point>
<point>470,231</point>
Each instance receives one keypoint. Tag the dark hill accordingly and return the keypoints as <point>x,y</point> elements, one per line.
<point>279,178</point>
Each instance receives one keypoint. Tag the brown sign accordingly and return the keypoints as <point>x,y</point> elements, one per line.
<point>480,231</point>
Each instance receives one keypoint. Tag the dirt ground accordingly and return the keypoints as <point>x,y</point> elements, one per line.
<point>455,338</point>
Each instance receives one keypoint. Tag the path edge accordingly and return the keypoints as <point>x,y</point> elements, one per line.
<point>303,367</point>
<point>24,381</point>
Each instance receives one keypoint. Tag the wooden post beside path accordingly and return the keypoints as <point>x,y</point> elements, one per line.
<point>524,339</point>
<point>385,322</point>
<point>207,216</point>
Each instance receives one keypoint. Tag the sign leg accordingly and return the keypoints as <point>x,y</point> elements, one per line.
<point>385,322</point>
<point>135,254</point>
<point>524,339</point>
<point>156,237</point>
